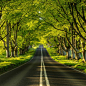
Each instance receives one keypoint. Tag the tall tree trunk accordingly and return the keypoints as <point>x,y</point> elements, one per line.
<point>68,53</point>
<point>74,47</point>
<point>7,49</point>
<point>11,43</point>
<point>84,55</point>
<point>12,51</point>
<point>16,46</point>
<point>73,54</point>
<point>68,46</point>
<point>73,38</point>
<point>78,56</point>
<point>60,50</point>
<point>64,53</point>
<point>16,51</point>
<point>84,51</point>
<point>20,51</point>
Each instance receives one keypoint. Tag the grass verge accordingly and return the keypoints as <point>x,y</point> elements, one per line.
<point>7,64</point>
<point>77,64</point>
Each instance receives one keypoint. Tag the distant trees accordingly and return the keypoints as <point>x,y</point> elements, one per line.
<point>69,19</point>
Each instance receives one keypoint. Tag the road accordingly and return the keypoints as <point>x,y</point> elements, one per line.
<point>42,70</point>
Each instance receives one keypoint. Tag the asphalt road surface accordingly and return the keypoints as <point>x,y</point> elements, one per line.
<point>42,70</point>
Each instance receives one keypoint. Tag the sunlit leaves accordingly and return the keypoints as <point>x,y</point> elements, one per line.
<point>31,24</point>
<point>42,18</point>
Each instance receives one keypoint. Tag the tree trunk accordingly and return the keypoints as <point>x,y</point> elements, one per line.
<point>12,49</point>
<point>78,56</point>
<point>16,52</point>
<point>27,49</point>
<point>12,52</point>
<point>73,42</point>
<point>73,54</point>
<point>64,53</point>
<point>7,49</point>
<point>7,53</point>
<point>69,54</point>
<point>61,51</point>
<point>20,51</point>
<point>16,46</point>
<point>84,55</point>
<point>84,51</point>
<point>11,43</point>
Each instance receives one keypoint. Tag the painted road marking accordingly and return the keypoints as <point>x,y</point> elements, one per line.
<point>45,74</point>
<point>41,69</point>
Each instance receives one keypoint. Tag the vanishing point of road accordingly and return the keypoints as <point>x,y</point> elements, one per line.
<point>42,70</point>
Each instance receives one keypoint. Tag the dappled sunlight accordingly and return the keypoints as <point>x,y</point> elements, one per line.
<point>2,64</point>
<point>78,64</point>
<point>9,63</point>
<point>62,75</point>
<point>50,31</point>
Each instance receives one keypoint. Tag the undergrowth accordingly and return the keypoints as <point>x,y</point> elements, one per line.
<point>10,63</point>
<point>78,64</point>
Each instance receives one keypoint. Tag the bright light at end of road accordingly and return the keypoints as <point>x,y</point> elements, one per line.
<point>39,12</point>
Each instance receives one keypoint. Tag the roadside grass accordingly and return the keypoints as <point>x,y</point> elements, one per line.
<point>77,64</point>
<point>10,63</point>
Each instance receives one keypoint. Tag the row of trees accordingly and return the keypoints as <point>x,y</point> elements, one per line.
<point>17,26</point>
<point>61,23</point>
<point>68,21</point>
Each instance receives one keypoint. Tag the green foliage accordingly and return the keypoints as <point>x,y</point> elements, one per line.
<point>85,70</point>
<point>2,51</point>
<point>42,21</point>
<point>7,63</point>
